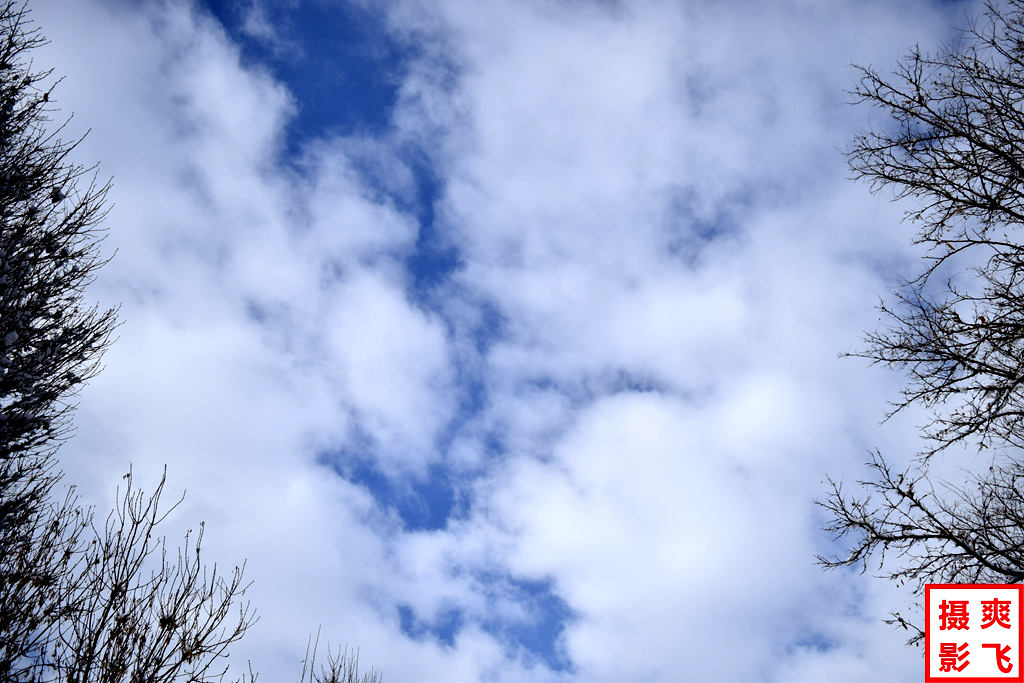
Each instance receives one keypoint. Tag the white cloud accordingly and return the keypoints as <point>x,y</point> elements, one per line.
<point>395,366</point>
<point>649,197</point>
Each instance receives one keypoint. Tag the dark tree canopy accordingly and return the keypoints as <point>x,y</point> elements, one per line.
<point>50,209</point>
<point>50,341</point>
<point>952,145</point>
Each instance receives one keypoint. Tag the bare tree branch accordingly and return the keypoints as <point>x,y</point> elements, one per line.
<point>954,143</point>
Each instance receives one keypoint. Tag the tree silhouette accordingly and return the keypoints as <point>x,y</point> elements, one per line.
<point>953,144</point>
<point>342,666</point>
<point>79,601</point>
<point>109,603</point>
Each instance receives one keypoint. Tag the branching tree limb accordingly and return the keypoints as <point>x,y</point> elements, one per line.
<point>116,606</point>
<point>342,666</point>
<point>954,143</point>
<point>918,533</point>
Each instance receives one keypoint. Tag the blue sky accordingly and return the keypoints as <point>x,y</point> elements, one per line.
<point>501,337</point>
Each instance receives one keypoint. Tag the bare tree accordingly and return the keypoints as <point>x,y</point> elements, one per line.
<point>115,605</point>
<point>79,601</point>
<point>41,551</point>
<point>50,340</point>
<point>342,666</point>
<point>953,142</point>
<point>919,531</point>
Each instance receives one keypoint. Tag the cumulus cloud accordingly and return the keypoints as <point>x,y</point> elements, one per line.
<point>625,385</point>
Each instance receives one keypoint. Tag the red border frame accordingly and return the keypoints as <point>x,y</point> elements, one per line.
<point>928,678</point>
